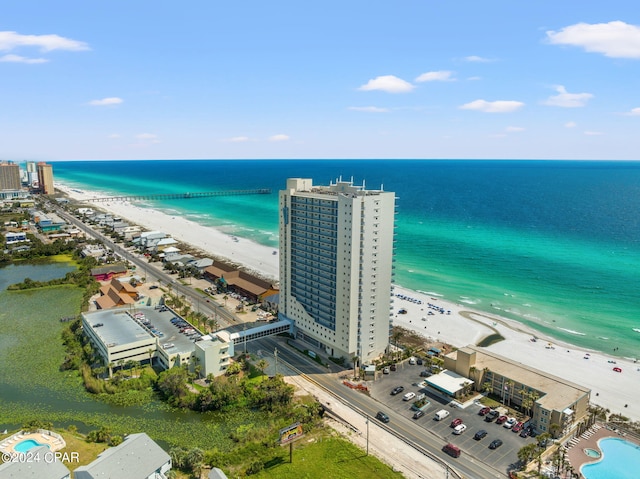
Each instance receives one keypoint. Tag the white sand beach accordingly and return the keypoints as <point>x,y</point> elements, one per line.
<point>617,391</point>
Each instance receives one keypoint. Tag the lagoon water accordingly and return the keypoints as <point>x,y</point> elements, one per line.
<point>553,244</point>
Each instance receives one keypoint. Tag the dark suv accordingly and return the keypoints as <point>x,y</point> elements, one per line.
<point>480,434</point>
<point>382,417</point>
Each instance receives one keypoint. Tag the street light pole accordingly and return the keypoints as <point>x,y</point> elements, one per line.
<point>275,354</point>
<point>367,421</point>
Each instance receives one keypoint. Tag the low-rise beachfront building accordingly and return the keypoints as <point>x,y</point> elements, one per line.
<point>47,222</point>
<point>555,405</point>
<point>244,284</point>
<point>138,457</point>
<point>41,463</point>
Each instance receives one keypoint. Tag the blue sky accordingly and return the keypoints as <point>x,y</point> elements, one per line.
<point>331,79</point>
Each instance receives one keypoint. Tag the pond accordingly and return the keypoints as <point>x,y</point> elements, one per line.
<point>33,387</point>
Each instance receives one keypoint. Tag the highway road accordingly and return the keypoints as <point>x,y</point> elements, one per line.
<point>413,435</point>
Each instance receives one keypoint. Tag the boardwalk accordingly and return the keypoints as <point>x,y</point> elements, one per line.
<point>180,196</point>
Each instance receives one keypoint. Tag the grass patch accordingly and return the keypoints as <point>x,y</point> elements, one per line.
<point>87,451</point>
<point>325,455</point>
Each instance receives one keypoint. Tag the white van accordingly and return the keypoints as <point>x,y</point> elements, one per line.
<point>460,428</point>
<point>409,396</point>
<point>441,414</point>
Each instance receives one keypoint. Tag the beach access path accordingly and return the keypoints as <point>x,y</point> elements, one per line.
<point>616,391</point>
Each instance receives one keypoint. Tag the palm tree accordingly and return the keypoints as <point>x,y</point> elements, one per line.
<point>262,365</point>
<point>225,297</point>
<point>110,366</point>
<point>150,353</point>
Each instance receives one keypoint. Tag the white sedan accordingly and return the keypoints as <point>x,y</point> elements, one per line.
<point>509,423</point>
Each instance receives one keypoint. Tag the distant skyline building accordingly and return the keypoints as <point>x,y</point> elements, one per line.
<point>45,178</point>
<point>336,262</point>
<point>9,176</point>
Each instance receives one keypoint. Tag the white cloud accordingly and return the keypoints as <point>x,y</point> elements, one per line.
<point>435,76</point>
<point>280,137</point>
<point>238,139</point>
<point>11,40</point>
<point>634,112</point>
<point>114,100</point>
<point>11,58</point>
<point>368,109</point>
<point>147,138</point>
<point>474,78</point>
<point>500,106</point>
<point>477,59</point>
<point>114,136</point>
<point>388,83</point>
<point>614,39</point>
<point>570,124</point>
<point>514,128</point>
<point>568,100</point>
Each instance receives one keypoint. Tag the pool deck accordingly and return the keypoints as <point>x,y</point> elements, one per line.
<point>589,440</point>
<point>52,440</point>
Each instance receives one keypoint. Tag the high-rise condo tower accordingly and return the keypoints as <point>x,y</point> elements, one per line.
<point>336,261</point>
<point>45,178</point>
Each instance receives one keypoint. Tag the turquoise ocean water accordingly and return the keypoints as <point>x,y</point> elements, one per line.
<point>553,244</point>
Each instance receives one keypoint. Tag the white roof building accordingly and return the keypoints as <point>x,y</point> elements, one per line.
<point>138,457</point>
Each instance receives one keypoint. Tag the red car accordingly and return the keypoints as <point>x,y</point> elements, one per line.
<point>617,369</point>
<point>484,411</point>
<point>456,422</point>
<point>501,419</point>
<point>517,427</point>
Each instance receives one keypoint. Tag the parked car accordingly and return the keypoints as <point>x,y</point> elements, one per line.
<point>480,434</point>
<point>393,367</point>
<point>419,361</point>
<point>517,427</point>
<point>501,419</point>
<point>412,361</point>
<point>459,429</point>
<point>495,444</point>
<point>382,417</point>
<point>484,411</point>
<point>409,396</point>
<point>525,432</point>
<point>385,371</point>
<point>617,369</point>
<point>397,390</point>
<point>418,414</point>
<point>491,416</point>
<point>457,421</point>
<point>402,311</point>
<point>509,423</point>
<point>425,374</point>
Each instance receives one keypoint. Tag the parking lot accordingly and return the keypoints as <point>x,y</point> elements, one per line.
<point>408,376</point>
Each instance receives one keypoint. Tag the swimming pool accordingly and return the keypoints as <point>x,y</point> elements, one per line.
<point>620,460</point>
<point>24,446</point>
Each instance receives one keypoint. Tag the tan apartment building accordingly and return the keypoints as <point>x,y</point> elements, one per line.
<point>548,399</point>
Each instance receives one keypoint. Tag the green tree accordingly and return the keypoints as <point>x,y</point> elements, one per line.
<point>262,365</point>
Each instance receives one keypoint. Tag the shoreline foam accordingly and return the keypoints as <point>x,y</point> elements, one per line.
<point>461,327</point>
